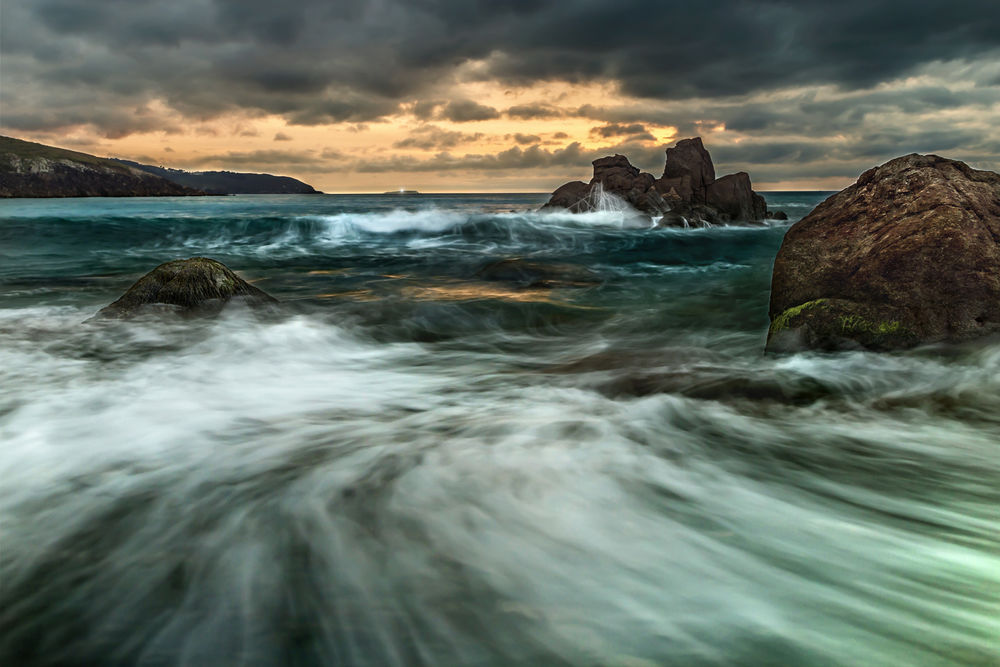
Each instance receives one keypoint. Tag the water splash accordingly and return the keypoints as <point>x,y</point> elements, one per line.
<point>603,201</point>
<point>448,471</point>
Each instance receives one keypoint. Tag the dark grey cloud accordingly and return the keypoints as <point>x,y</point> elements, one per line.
<point>534,111</point>
<point>425,109</point>
<point>315,61</point>
<point>281,136</point>
<point>572,160</point>
<point>635,131</point>
<point>67,63</point>
<point>434,138</point>
<point>465,111</point>
<point>524,139</point>
<point>513,158</point>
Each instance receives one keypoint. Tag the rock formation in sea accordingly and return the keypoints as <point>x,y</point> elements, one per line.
<point>910,254</point>
<point>28,169</point>
<point>687,194</point>
<point>188,287</point>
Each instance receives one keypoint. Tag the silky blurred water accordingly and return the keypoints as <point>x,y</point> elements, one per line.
<point>415,462</point>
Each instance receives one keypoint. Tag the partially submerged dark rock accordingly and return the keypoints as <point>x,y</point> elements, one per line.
<point>734,197</point>
<point>189,287</point>
<point>526,273</point>
<point>910,254</point>
<point>572,196</point>
<point>689,160</point>
<point>687,194</point>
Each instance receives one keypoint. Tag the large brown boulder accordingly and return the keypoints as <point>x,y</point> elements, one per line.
<point>188,287</point>
<point>909,254</point>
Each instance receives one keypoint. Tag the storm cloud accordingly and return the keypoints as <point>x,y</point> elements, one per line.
<point>780,72</point>
<point>353,60</point>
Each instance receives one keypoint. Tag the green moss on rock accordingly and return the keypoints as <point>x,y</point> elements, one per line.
<point>831,324</point>
<point>783,321</point>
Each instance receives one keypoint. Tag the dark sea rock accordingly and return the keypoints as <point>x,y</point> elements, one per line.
<point>525,273</point>
<point>688,194</point>
<point>776,215</point>
<point>688,158</point>
<point>613,175</point>
<point>910,254</point>
<point>189,287</point>
<point>572,196</point>
<point>734,197</point>
<point>615,172</point>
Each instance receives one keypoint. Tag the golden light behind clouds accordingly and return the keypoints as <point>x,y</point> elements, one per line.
<point>419,147</point>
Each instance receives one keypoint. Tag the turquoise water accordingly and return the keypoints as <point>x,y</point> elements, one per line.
<point>413,463</point>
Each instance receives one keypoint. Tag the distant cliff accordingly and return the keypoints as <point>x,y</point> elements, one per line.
<point>229,182</point>
<point>28,169</point>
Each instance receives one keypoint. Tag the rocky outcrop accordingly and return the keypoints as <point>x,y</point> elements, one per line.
<point>34,170</point>
<point>188,287</point>
<point>734,197</point>
<point>689,167</point>
<point>687,193</point>
<point>573,196</point>
<point>909,254</point>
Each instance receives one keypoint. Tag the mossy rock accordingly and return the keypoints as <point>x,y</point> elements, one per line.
<point>189,287</point>
<point>908,255</point>
<point>838,324</point>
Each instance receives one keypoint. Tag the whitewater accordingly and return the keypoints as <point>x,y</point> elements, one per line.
<point>416,462</point>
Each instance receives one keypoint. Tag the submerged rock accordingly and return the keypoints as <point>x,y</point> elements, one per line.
<point>687,193</point>
<point>910,254</point>
<point>526,273</point>
<point>190,287</point>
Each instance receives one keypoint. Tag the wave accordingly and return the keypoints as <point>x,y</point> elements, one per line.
<point>297,491</point>
<point>417,462</point>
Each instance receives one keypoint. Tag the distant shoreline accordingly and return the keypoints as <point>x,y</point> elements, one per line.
<point>353,194</point>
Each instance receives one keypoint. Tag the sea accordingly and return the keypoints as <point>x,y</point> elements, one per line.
<point>419,460</point>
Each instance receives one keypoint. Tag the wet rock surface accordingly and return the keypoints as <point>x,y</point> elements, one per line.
<point>687,194</point>
<point>188,287</point>
<point>910,254</point>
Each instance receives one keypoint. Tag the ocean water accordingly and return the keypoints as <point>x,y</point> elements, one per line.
<point>411,464</point>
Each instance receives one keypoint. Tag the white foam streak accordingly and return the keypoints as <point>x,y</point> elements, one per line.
<point>301,476</point>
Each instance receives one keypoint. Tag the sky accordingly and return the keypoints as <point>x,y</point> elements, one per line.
<point>490,96</point>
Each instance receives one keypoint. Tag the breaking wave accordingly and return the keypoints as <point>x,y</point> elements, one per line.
<point>417,464</point>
